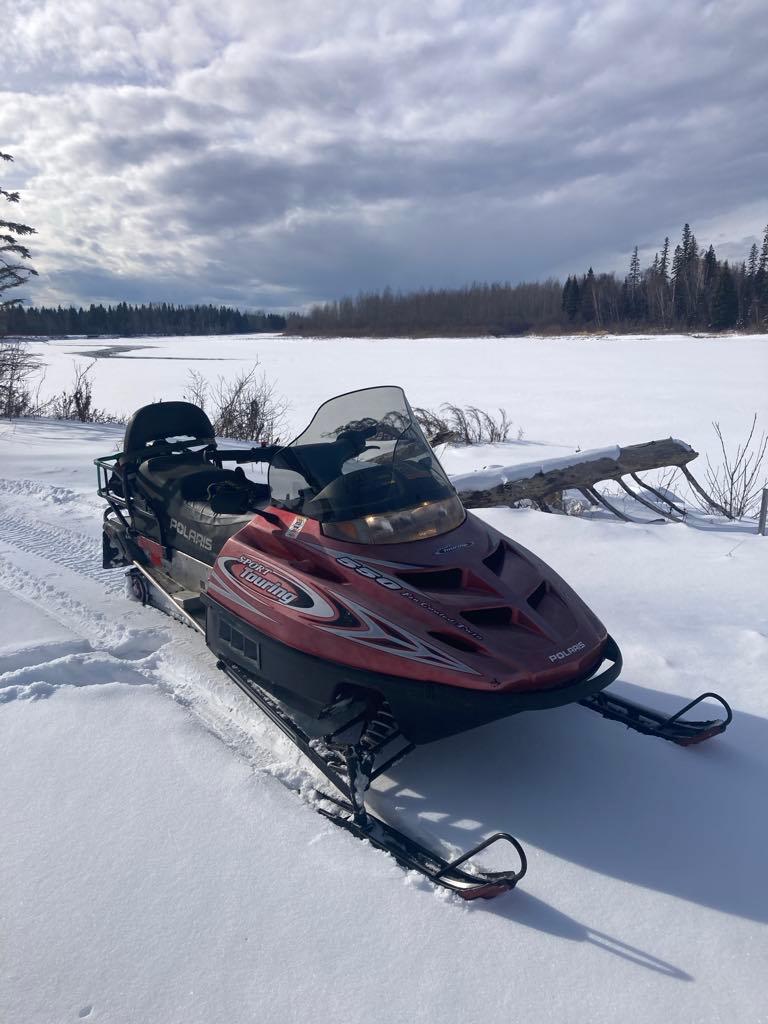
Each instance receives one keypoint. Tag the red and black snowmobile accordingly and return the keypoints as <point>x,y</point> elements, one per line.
<point>355,600</point>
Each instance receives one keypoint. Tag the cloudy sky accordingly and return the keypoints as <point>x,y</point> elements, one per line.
<point>271,154</point>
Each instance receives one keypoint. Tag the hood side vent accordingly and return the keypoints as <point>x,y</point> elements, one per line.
<point>535,599</point>
<point>488,616</point>
<point>495,561</point>
<point>546,601</point>
<point>456,640</point>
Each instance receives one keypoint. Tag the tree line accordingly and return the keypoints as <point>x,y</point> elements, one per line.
<point>126,320</point>
<point>685,288</point>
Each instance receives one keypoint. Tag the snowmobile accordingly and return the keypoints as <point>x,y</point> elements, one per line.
<point>356,601</point>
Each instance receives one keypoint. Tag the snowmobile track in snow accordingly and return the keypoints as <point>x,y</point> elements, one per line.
<point>61,546</point>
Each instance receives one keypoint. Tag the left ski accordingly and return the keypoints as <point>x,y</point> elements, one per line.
<point>646,720</point>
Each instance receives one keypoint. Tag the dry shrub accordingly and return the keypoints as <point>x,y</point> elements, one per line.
<point>18,369</point>
<point>464,425</point>
<point>736,481</point>
<point>77,402</point>
<point>245,408</point>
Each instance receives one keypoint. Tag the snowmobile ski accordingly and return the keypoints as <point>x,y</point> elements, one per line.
<point>351,767</point>
<point>645,720</point>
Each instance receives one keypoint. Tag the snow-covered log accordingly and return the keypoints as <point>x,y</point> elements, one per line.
<point>538,480</point>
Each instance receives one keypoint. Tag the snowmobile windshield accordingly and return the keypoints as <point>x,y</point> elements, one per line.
<point>364,469</point>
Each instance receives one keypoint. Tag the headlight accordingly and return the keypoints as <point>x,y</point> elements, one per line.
<point>429,519</point>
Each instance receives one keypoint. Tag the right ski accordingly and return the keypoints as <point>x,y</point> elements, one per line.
<point>350,767</point>
<point>411,855</point>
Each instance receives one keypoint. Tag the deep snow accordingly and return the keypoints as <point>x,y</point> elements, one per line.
<point>160,865</point>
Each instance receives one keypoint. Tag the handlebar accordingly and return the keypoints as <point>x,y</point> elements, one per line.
<point>261,454</point>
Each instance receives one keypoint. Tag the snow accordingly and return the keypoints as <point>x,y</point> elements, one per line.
<point>160,860</point>
<point>585,392</point>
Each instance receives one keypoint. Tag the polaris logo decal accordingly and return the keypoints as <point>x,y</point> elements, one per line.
<point>561,655</point>
<point>193,536</point>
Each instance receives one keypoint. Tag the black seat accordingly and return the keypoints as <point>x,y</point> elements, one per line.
<point>189,502</point>
<point>166,420</point>
<point>185,475</point>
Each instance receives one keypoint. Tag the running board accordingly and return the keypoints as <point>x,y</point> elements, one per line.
<point>178,602</point>
<point>655,723</point>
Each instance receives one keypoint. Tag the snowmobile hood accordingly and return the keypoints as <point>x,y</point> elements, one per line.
<point>468,609</point>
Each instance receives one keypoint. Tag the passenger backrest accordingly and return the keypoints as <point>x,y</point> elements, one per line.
<point>166,419</point>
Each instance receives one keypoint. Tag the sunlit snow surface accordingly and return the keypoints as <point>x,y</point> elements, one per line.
<point>158,860</point>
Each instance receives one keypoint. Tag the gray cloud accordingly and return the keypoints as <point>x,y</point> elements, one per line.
<point>171,152</point>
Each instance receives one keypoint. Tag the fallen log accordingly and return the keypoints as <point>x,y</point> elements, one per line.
<point>539,480</point>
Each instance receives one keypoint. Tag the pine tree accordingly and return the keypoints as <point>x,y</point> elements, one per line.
<point>710,265</point>
<point>664,262</point>
<point>573,300</point>
<point>13,273</point>
<point>759,289</point>
<point>762,267</point>
<point>685,242</point>
<point>588,306</point>
<point>752,261</point>
<point>634,271</point>
<point>749,297</point>
<point>566,293</point>
<point>678,283</point>
<point>725,303</point>
<point>708,279</point>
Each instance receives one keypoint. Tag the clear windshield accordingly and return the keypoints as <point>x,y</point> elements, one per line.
<point>364,457</point>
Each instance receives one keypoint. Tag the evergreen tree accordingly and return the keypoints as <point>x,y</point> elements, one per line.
<point>685,242</point>
<point>633,302</point>
<point>573,300</point>
<point>678,283</point>
<point>710,265</point>
<point>588,304</point>
<point>708,280</point>
<point>566,293</point>
<point>762,267</point>
<point>752,261</point>
<point>664,262</point>
<point>725,303</point>
<point>759,285</point>
<point>13,272</point>
<point>633,279</point>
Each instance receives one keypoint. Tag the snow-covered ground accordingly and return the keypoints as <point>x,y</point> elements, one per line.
<point>583,391</point>
<point>158,862</point>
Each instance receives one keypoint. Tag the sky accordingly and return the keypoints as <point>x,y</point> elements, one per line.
<point>272,154</point>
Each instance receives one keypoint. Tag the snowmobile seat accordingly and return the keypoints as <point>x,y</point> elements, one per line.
<point>163,420</point>
<point>189,478</point>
